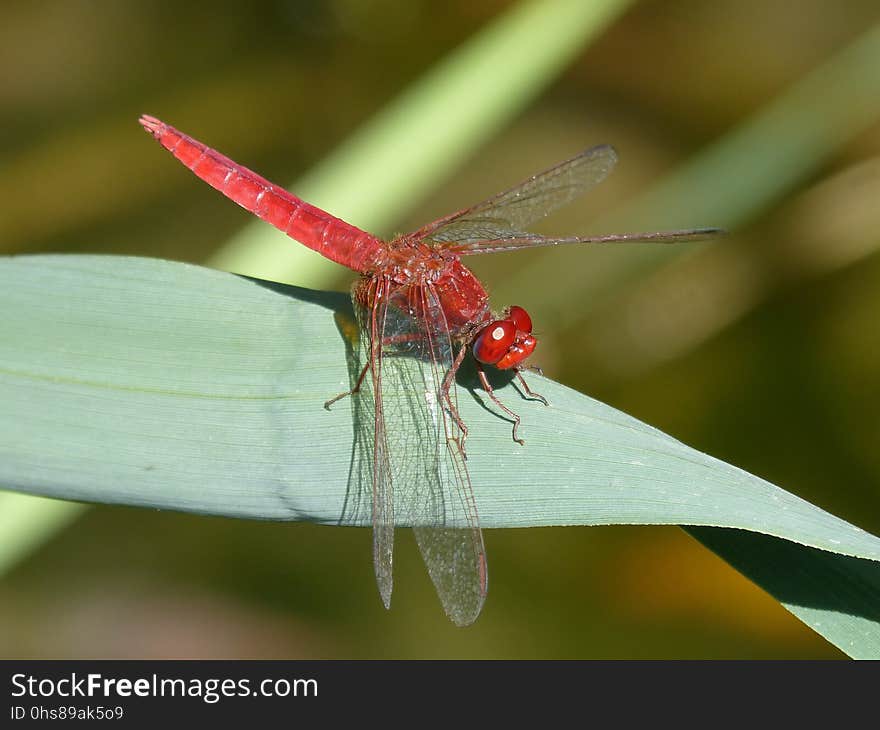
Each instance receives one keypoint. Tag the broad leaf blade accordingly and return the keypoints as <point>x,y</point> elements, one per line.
<point>835,595</point>
<point>151,383</point>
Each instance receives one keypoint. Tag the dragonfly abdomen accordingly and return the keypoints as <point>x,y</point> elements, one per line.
<point>330,236</point>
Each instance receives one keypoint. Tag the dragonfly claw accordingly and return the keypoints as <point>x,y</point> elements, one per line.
<point>530,394</point>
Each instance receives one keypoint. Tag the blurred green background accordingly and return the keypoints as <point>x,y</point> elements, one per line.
<point>761,349</point>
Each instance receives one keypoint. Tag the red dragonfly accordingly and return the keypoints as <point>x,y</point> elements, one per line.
<point>420,312</point>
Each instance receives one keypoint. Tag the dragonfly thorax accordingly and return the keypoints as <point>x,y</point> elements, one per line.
<point>434,282</point>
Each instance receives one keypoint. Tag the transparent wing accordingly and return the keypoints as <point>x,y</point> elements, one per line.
<point>444,512</point>
<point>373,437</point>
<point>419,477</point>
<point>508,213</point>
<point>528,240</point>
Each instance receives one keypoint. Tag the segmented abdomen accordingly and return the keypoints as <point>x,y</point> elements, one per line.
<point>330,236</point>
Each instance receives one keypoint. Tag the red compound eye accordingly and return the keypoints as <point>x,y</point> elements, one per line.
<point>494,341</point>
<point>520,318</point>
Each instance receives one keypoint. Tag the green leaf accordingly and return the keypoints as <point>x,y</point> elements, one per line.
<point>151,383</point>
<point>836,595</point>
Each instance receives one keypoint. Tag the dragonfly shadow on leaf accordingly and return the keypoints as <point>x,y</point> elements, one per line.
<point>334,301</point>
<point>466,377</point>
<point>357,507</point>
<point>358,499</point>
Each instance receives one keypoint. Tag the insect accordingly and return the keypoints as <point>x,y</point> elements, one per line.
<point>421,311</point>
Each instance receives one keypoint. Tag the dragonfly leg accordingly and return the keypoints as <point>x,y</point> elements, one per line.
<point>446,390</point>
<point>529,392</point>
<point>357,387</point>
<point>487,386</point>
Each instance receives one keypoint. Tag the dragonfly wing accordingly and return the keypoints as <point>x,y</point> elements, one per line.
<point>444,516</point>
<point>529,240</point>
<point>372,441</point>
<point>456,563</point>
<point>383,512</point>
<point>417,452</point>
<point>510,212</point>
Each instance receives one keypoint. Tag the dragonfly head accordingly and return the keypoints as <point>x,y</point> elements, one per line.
<point>506,342</point>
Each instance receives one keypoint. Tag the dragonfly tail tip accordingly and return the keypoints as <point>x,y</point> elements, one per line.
<point>151,124</point>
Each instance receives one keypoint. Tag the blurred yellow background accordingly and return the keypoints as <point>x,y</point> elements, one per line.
<point>761,349</point>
